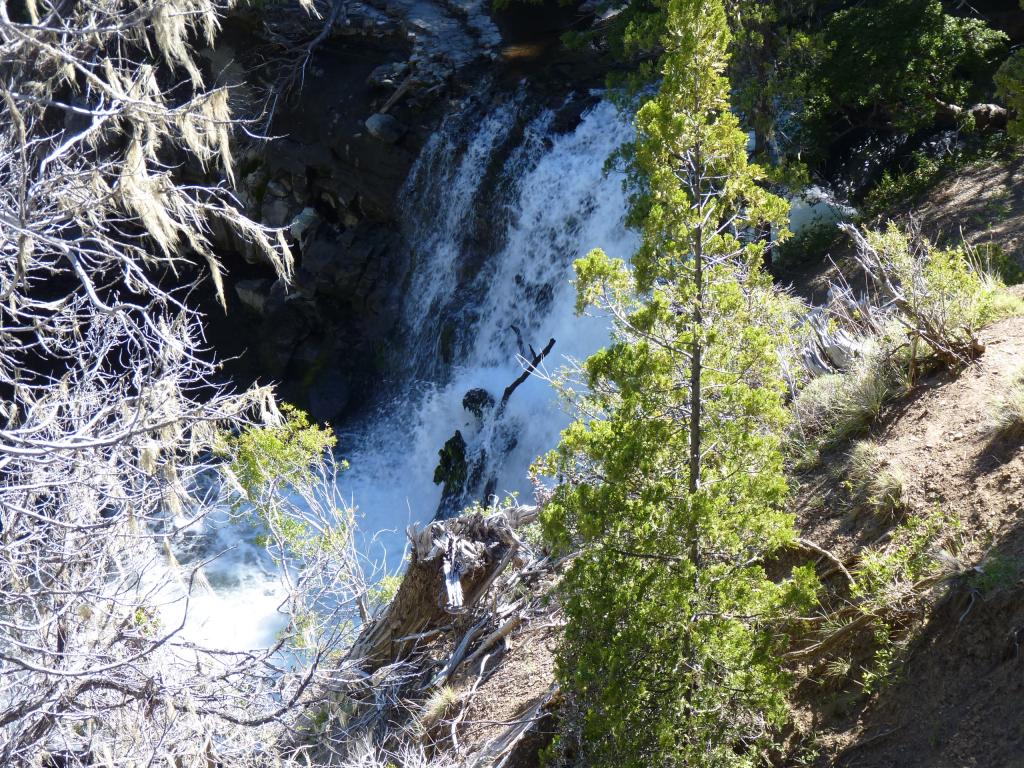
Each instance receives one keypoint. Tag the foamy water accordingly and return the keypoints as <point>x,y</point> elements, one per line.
<point>564,205</point>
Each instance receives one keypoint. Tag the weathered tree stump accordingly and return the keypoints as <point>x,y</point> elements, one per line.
<point>453,563</point>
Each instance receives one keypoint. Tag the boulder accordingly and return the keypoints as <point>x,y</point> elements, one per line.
<point>326,254</point>
<point>276,211</point>
<point>385,128</point>
<point>478,401</point>
<point>302,223</point>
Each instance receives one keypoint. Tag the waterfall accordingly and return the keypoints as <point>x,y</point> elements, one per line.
<point>549,201</point>
<point>497,208</point>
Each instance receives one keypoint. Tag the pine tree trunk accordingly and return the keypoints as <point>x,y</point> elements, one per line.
<point>696,350</point>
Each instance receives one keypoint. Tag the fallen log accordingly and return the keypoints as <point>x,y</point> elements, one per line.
<point>985,117</point>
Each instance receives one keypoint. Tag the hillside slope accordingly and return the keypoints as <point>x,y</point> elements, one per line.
<point>956,698</point>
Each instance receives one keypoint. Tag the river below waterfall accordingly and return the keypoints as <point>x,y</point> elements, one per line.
<point>496,210</point>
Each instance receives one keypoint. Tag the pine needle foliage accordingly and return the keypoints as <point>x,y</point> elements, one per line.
<point>671,482</point>
<point>280,453</point>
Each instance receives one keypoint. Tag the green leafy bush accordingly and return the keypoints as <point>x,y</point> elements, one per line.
<point>277,454</point>
<point>889,581</point>
<point>897,188</point>
<point>1010,87</point>
<point>937,301</point>
<point>991,259</point>
<point>265,462</point>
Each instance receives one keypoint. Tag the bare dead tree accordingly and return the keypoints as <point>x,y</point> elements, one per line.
<point>108,410</point>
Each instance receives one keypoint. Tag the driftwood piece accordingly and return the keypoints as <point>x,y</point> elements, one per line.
<point>839,566</point>
<point>398,94</point>
<point>450,559</point>
<point>531,366</point>
<point>488,642</point>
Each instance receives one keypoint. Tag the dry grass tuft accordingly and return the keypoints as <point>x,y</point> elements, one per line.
<point>874,482</point>
<point>437,705</point>
<point>832,409</point>
<point>1006,419</point>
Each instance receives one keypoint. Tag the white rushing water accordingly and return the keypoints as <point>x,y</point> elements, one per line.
<point>562,205</point>
<point>232,601</point>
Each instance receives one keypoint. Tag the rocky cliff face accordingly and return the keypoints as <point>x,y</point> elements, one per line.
<point>353,97</point>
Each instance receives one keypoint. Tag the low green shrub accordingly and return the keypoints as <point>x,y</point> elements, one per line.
<point>937,302</point>
<point>889,583</point>
<point>898,188</point>
<point>996,572</point>
<point>941,297</point>
<point>991,259</point>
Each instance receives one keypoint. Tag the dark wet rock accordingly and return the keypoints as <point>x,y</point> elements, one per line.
<point>276,211</point>
<point>360,269</point>
<point>329,393</point>
<point>324,253</point>
<point>283,329</point>
<point>306,220</point>
<point>478,401</point>
<point>388,75</point>
<point>385,128</point>
<point>278,188</point>
<point>254,293</point>
<point>571,114</point>
<point>280,293</point>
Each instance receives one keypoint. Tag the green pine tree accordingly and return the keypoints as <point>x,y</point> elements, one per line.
<point>672,481</point>
<point>1010,88</point>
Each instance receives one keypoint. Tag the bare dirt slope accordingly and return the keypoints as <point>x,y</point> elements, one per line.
<point>517,691</point>
<point>982,203</point>
<point>958,699</point>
